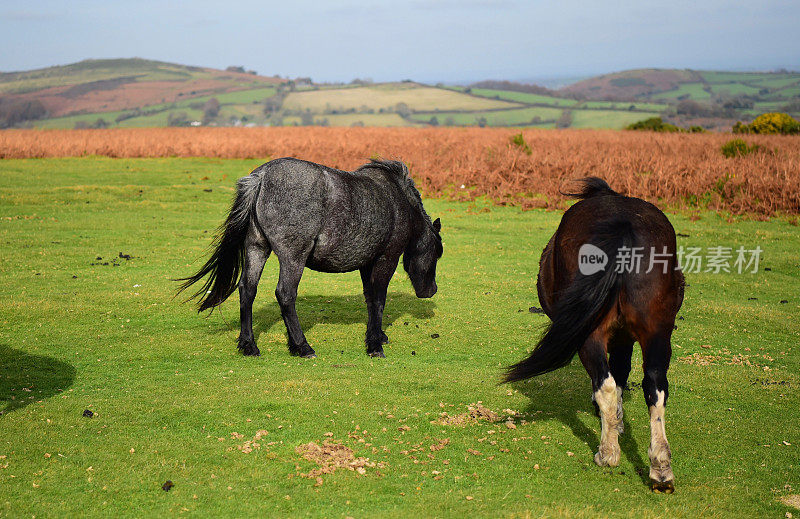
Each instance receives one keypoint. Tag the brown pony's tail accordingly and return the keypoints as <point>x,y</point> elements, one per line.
<point>579,308</point>
<point>225,265</point>
<point>591,186</point>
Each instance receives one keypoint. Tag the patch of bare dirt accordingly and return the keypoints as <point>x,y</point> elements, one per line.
<point>752,360</point>
<point>475,413</point>
<point>330,456</point>
<point>791,500</point>
<point>252,444</point>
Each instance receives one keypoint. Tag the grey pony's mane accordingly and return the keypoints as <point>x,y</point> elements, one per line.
<point>399,172</point>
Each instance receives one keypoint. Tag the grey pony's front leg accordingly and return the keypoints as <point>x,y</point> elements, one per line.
<point>376,282</point>
<point>286,294</point>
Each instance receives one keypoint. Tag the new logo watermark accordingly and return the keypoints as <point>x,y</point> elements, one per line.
<point>591,259</point>
<point>691,260</point>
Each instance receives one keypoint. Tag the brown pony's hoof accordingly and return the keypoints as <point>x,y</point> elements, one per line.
<point>662,487</point>
<point>376,354</point>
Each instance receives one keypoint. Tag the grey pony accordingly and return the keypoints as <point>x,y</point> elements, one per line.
<point>327,220</point>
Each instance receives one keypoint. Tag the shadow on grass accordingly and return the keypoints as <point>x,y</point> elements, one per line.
<point>335,309</point>
<point>560,396</point>
<point>26,378</point>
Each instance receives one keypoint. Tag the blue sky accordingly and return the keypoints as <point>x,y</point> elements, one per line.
<point>425,40</point>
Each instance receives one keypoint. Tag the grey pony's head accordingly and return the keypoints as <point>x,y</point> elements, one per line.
<point>421,257</point>
<point>425,249</point>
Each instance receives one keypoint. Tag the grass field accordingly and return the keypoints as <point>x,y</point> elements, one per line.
<point>692,90</point>
<point>735,89</point>
<point>515,117</point>
<point>607,118</point>
<point>173,400</point>
<point>523,97</point>
<point>618,105</point>
<point>418,98</point>
<point>377,120</point>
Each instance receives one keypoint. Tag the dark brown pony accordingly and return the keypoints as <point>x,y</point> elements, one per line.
<point>608,277</point>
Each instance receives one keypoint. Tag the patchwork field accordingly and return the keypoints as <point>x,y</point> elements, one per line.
<point>386,97</point>
<point>88,321</point>
<point>120,93</point>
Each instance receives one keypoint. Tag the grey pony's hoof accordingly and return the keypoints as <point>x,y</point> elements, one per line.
<point>376,354</point>
<point>305,351</point>
<point>662,487</point>
<point>249,349</point>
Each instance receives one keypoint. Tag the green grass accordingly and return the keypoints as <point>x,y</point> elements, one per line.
<point>380,120</point>
<point>69,121</point>
<point>166,384</point>
<point>620,105</point>
<point>387,96</point>
<point>523,97</point>
<point>607,118</point>
<point>693,90</point>
<point>735,89</point>
<point>736,77</point>
<point>786,93</point>
<point>160,118</point>
<point>517,117</point>
<point>243,96</point>
<point>779,82</point>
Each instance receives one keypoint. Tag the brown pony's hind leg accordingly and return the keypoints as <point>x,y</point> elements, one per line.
<point>656,350</point>
<point>593,357</point>
<point>620,349</point>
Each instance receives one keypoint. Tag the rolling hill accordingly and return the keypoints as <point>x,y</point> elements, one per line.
<point>138,92</point>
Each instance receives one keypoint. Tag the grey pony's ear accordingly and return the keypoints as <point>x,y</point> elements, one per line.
<point>437,224</point>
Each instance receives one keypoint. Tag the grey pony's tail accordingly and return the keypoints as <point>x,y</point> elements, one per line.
<point>226,263</point>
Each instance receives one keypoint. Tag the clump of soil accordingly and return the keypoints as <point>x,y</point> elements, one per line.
<point>791,500</point>
<point>331,456</point>
<point>250,445</point>
<point>115,262</point>
<point>475,413</point>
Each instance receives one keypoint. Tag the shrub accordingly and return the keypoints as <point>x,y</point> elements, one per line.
<point>178,119</point>
<point>654,124</point>
<point>770,123</point>
<point>565,121</point>
<point>13,111</point>
<point>519,141</point>
<point>738,148</point>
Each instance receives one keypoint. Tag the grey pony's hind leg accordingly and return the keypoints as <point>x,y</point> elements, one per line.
<point>286,294</point>
<point>256,253</point>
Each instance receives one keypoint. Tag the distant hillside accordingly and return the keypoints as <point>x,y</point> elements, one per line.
<point>108,85</point>
<point>141,93</point>
<point>631,84</point>
<point>707,98</point>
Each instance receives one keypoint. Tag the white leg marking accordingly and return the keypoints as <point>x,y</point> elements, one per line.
<point>606,398</point>
<point>620,425</point>
<point>659,451</point>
